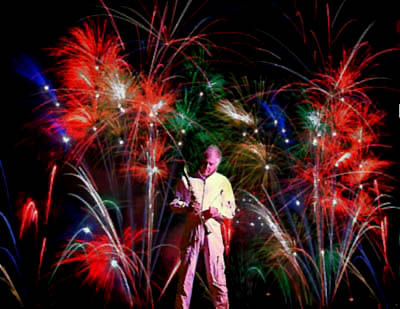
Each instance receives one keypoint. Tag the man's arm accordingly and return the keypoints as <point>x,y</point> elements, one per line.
<point>227,209</point>
<point>182,199</point>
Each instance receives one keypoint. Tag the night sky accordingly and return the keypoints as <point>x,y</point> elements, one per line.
<point>31,28</point>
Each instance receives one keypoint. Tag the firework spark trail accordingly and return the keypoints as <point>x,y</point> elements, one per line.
<point>29,216</point>
<point>124,114</point>
<point>30,222</point>
<point>9,281</point>
<point>52,176</point>
<point>113,23</point>
<point>95,75</point>
<point>336,175</point>
<point>161,216</point>
<point>236,113</point>
<point>163,45</point>
<point>28,68</point>
<point>15,259</point>
<point>5,220</point>
<point>262,145</point>
<point>273,224</point>
<point>71,243</point>
<point>307,269</point>
<point>82,54</point>
<point>106,258</point>
<point>42,251</point>
<point>293,260</point>
<point>5,186</point>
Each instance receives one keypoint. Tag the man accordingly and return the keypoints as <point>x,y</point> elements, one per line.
<point>207,199</point>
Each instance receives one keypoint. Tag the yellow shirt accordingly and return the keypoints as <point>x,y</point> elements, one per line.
<point>213,191</point>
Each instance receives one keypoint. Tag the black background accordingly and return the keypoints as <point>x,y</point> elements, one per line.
<point>31,27</point>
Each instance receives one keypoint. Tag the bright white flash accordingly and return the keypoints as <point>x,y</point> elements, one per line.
<point>86,230</point>
<point>114,263</point>
<point>83,76</point>
<point>153,170</point>
<point>346,156</point>
<point>236,113</point>
<point>314,118</point>
<point>158,106</point>
<point>119,90</point>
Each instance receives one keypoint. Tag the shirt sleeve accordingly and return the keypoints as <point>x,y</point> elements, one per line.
<point>228,208</point>
<point>182,198</point>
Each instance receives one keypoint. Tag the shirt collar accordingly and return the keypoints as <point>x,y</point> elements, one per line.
<point>202,177</point>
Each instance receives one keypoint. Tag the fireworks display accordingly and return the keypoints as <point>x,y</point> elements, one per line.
<point>129,97</point>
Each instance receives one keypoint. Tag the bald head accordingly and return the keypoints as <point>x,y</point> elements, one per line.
<point>214,150</point>
<point>211,159</point>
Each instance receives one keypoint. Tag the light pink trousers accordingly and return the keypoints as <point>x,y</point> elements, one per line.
<point>213,249</point>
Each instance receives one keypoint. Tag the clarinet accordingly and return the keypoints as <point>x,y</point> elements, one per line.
<point>193,199</point>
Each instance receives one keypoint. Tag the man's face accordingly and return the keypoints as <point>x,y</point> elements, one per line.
<point>210,163</point>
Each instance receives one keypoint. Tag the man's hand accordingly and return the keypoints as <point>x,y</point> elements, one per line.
<point>196,207</point>
<point>194,213</point>
<point>212,212</point>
